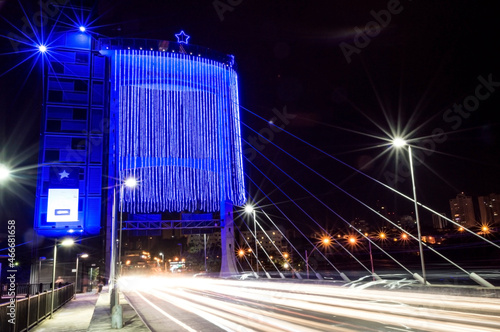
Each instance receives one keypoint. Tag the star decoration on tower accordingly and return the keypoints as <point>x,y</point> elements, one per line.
<point>63,175</point>
<point>182,38</point>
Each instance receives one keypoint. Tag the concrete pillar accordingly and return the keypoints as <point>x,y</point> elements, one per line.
<point>228,260</point>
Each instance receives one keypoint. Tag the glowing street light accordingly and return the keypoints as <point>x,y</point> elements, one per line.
<point>399,142</point>
<point>325,242</point>
<point>65,243</point>
<point>4,172</point>
<point>82,28</point>
<point>250,209</point>
<point>131,182</point>
<point>42,48</point>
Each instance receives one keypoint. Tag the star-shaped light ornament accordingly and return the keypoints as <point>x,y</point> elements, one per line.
<point>182,38</point>
<point>63,175</point>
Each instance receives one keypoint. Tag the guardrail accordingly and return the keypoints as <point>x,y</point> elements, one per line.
<point>29,311</point>
<point>24,289</point>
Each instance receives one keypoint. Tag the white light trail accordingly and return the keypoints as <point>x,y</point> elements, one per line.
<point>235,305</point>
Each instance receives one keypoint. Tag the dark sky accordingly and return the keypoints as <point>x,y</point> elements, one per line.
<point>407,72</point>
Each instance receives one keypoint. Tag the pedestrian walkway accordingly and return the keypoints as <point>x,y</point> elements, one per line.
<point>91,312</point>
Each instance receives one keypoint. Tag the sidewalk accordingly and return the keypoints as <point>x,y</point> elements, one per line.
<point>91,312</point>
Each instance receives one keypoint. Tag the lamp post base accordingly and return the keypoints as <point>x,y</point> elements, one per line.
<point>117,317</point>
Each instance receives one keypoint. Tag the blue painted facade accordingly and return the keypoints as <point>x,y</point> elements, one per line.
<point>73,130</point>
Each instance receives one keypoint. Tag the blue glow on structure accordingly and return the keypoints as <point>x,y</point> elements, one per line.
<point>178,131</point>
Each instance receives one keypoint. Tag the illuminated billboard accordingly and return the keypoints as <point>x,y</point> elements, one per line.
<point>63,195</point>
<point>62,205</point>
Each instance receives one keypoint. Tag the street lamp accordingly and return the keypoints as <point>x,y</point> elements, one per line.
<point>65,243</point>
<point>117,314</point>
<point>399,142</point>
<point>131,182</point>
<point>76,273</point>
<point>250,209</point>
<point>325,242</point>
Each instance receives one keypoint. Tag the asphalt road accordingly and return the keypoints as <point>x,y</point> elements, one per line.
<point>204,304</point>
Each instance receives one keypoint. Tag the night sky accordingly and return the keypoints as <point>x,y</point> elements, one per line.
<point>339,80</point>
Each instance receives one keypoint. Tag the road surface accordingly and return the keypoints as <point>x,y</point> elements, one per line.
<point>205,304</point>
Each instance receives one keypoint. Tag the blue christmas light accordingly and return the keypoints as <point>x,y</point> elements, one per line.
<point>178,131</point>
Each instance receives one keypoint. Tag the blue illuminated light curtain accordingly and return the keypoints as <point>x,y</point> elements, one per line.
<point>178,132</point>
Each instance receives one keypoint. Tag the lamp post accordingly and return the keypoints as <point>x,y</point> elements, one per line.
<point>324,242</point>
<point>162,260</point>
<point>249,209</point>
<point>116,311</point>
<point>130,183</point>
<point>66,243</point>
<point>399,142</point>
<point>76,272</point>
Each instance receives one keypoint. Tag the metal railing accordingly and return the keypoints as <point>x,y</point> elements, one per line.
<point>25,289</point>
<point>29,311</point>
